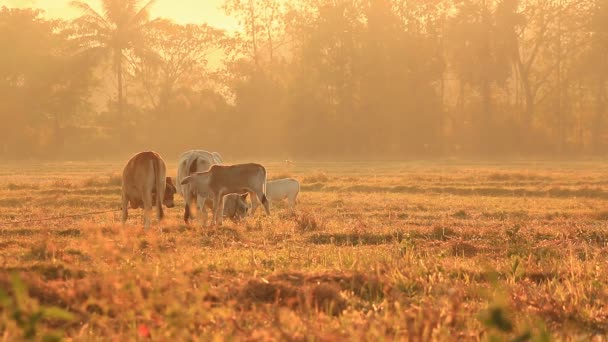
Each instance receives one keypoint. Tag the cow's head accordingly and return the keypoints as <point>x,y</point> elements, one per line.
<point>236,207</point>
<point>170,190</point>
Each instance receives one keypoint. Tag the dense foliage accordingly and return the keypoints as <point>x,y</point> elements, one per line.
<point>304,78</point>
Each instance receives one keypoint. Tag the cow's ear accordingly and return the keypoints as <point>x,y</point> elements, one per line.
<point>186,180</point>
<point>244,196</point>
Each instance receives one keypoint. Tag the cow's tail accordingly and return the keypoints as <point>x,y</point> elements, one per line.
<point>160,180</point>
<point>265,181</point>
<point>264,199</point>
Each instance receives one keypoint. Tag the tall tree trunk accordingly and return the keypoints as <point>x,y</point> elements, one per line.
<point>529,105</point>
<point>486,102</point>
<point>120,84</point>
<point>269,32</point>
<point>560,114</point>
<point>253,32</point>
<point>526,94</point>
<point>486,121</point>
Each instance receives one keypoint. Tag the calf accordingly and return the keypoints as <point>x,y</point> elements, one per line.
<point>193,161</point>
<point>235,206</point>
<point>280,189</point>
<point>235,179</point>
<point>144,184</point>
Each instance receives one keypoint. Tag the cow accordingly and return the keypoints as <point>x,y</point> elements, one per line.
<point>280,189</point>
<point>144,184</point>
<point>235,206</point>
<point>222,180</point>
<point>190,162</point>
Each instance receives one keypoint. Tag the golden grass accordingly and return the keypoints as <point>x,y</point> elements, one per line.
<point>407,251</point>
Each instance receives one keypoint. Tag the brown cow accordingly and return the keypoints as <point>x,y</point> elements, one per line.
<point>144,184</point>
<point>222,180</point>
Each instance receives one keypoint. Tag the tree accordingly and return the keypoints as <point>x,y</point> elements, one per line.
<point>43,85</point>
<point>478,57</point>
<point>114,31</point>
<point>400,69</point>
<point>597,62</point>
<point>262,23</point>
<point>180,54</point>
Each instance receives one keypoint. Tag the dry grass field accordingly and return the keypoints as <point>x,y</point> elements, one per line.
<point>375,251</point>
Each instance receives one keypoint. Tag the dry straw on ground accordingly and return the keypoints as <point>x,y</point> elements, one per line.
<point>403,251</point>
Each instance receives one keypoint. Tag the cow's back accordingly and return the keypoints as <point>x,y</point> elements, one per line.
<point>279,189</point>
<point>144,173</point>
<point>136,173</point>
<point>237,176</point>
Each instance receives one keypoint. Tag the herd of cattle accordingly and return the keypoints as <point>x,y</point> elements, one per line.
<point>202,178</point>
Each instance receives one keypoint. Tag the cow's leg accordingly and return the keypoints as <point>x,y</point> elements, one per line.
<point>202,211</point>
<point>147,197</point>
<point>125,209</point>
<point>217,202</point>
<point>254,202</point>
<point>187,212</point>
<point>159,205</point>
<point>219,210</point>
<point>291,201</point>
<point>295,199</point>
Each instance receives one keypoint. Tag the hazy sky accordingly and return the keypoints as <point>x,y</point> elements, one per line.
<point>181,11</point>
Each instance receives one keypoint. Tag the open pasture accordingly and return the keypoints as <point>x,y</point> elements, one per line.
<point>375,251</point>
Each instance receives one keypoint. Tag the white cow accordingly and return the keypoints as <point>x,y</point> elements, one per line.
<point>280,189</point>
<point>194,161</point>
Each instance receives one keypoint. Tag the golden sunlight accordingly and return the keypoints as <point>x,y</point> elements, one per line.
<point>332,170</point>
<point>180,11</point>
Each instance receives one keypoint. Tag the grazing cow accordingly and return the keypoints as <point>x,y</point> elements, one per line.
<point>235,179</point>
<point>280,189</point>
<point>144,184</point>
<point>190,162</point>
<point>235,206</point>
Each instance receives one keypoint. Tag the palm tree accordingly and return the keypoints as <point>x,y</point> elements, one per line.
<point>118,28</point>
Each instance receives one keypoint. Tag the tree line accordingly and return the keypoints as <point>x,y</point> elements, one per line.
<point>309,79</point>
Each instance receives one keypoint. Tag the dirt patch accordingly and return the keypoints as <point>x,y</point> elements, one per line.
<point>442,233</point>
<point>51,272</point>
<point>275,292</point>
<point>220,235</point>
<point>326,297</point>
<point>316,178</point>
<point>308,222</point>
<point>363,286</point>
<point>312,187</point>
<point>8,243</point>
<point>356,239</point>
<point>70,232</point>
<point>19,232</point>
<point>321,292</point>
<point>463,249</point>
